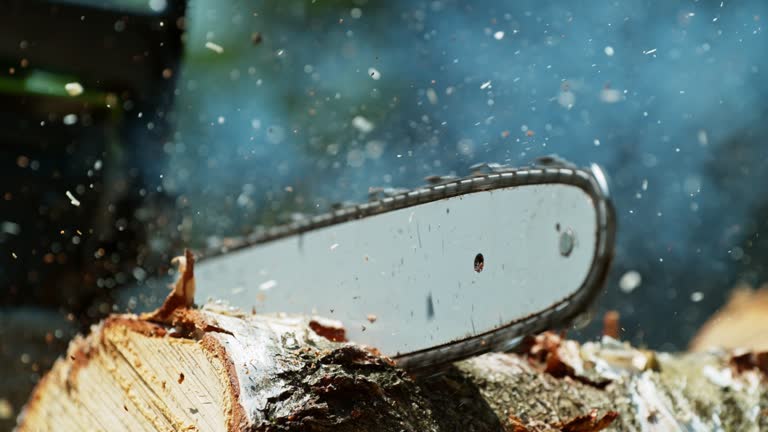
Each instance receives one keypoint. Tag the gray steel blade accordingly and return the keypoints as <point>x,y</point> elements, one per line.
<point>439,273</point>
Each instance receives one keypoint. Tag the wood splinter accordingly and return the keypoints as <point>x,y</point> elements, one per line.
<point>182,294</point>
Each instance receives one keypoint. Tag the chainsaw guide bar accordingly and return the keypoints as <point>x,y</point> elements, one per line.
<point>440,273</point>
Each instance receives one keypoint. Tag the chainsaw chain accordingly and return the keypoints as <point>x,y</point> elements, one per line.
<point>484,176</point>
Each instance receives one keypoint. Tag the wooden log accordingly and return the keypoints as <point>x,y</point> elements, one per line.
<point>741,323</point>
<point>212,369</point>
<point>214,372</point>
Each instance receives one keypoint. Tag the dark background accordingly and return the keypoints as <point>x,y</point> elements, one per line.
<point>669,96</point>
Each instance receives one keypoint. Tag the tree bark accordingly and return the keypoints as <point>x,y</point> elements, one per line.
<point>212,369</point>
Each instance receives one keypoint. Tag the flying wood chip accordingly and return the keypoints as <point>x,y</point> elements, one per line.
<point>611,326</point>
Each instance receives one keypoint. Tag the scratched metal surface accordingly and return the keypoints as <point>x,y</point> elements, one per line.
<point>414,341</point>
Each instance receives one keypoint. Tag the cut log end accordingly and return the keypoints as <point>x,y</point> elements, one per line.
<point>130,374</point>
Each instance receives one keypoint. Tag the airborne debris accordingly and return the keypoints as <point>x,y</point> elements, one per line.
<point>703,138</point>
<point>611,324</point>
<point>362,124</point>
<point>629,281</point>
<point>609,95</point>
<point>218,49</point>
<point>566,99</point>
<point>6,409</point>
<point>73,89</point>
<point>432,96</point>
<point>72,200</point>
<point>268,285</point>
<point>9,227</point>
<point>69,119</point>
<point>374,74</point>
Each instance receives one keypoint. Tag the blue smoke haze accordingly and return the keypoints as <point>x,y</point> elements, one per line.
<point>650,90</point>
